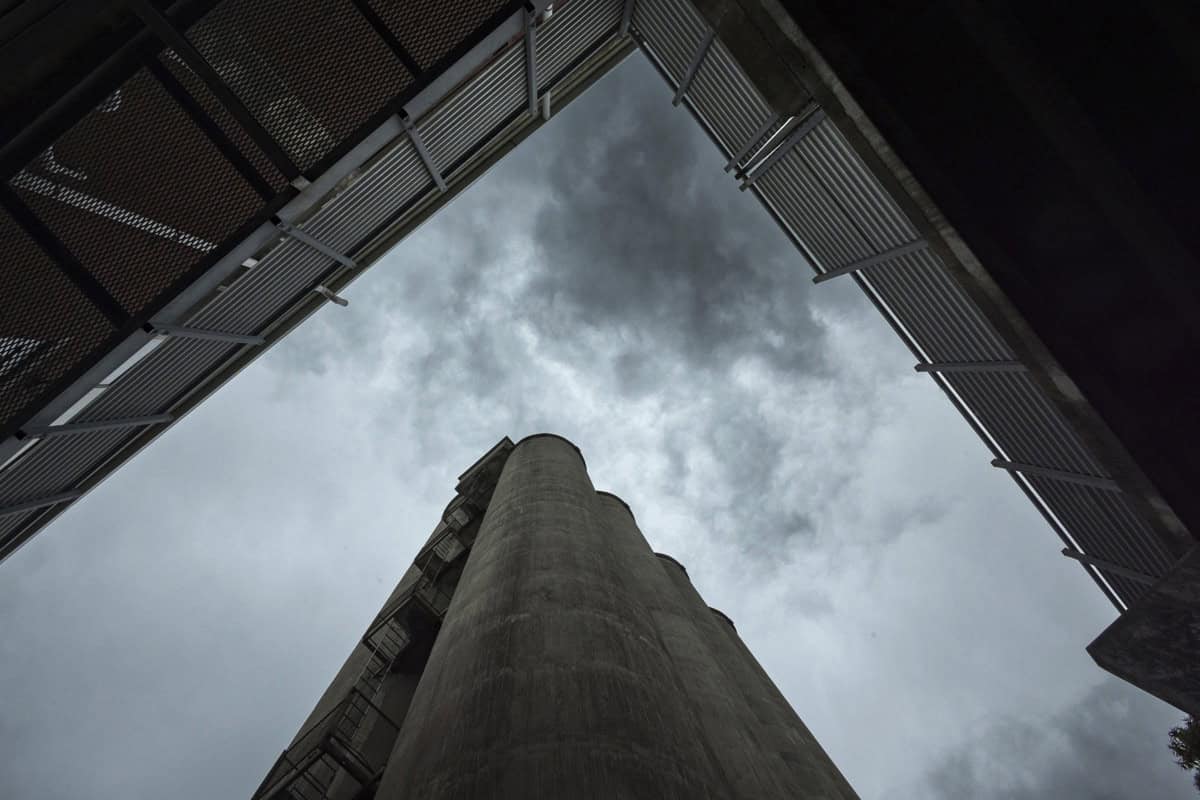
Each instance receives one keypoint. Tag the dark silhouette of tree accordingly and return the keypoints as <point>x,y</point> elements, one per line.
<point>1185,746</point>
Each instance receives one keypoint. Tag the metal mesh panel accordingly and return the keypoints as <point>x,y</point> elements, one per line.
<point>288,270</point>
<point>47,326</point>
<point>224,120</point>
<point>55,465</point>
<point>1104,525</point>
<point>160,379</point>
<point>454,127</point>
<point>672,28</point>
<point>571,33</point>
<point>937,313</point>
<point>727,100</point>
<point>392,182</point>
<point>113,190</point>
<point>838,167</point>
<point>310,72</point>
<point>430,29</point>
<point>816,215</point>
<point>1022,422</point>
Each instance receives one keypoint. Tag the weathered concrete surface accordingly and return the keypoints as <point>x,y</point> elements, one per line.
<point>713,701</point>
<point>768,748</point>
<point>547,679</point>
<point>1154,645</point>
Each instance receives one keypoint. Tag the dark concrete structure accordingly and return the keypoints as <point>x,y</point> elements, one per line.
<point>1045,157</point>
<point>1154,644</point>
<point>539,648</point>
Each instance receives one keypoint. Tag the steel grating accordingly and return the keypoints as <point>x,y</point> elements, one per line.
<point>1026,427</point>
<point>673,28</point>
<point>430,30</point>
<point>379,195</point>
<point>310,72</point>
<point>840,216</point>
<point>569,33</point>
<point>57,464</point>
<point>195,87</point>
<point>451,129</point>
<point>108,190</point>
<point>156,382</point>
<point>731,105</point>
<point>40,342</point>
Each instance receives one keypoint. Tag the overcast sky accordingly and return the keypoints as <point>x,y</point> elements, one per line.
<point>167,635</point>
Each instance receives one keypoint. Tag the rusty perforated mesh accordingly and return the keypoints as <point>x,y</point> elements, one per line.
<point>310,72</point>
<point>140,195</point>
<point>47,326</point>
<point>137,192</point>
<point>431,29</point>
<point>224,120</point>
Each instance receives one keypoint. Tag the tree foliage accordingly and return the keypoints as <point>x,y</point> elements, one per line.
<point>1185,746</point>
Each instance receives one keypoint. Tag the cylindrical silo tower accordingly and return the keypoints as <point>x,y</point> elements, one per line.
<point>548,679</point>
<point>790,762</point>
<point>538,648</point>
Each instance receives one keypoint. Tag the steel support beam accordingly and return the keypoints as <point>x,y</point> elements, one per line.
<point>1057,474</point>
<point>771,123</point>
<point>697,59</point>
<point>872,261</point>
<point>418,144</point>
<point>184,332</point>
<point>63,258</point>
<point>316,244</point>
<point>531,84</point>
<point>195,60</point>
<point>814,117</point>
<point>385,33</point>
<point>330,295</point>
<point>1108,566</point>
<point>40,502</point>
<point>210,128</point>
<point>626,18</point>
<point>46,431</point>
<point>971,366</point>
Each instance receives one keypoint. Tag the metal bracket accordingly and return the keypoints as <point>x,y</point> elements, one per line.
<point>693,67</point>
<point>46,431</point>
<point>1057,474</point>
<point>771,123</point>
<point>814,117</point>
<point>971,366</point>
<point>419,145</point>
<point>316,244</point>
<point>626,18</point>
<point>872,261</point>
<point>41,502</point>
<point>184,332</point>
<point>330,295</point>
<point>1108,566</point>
<point>531,88</point>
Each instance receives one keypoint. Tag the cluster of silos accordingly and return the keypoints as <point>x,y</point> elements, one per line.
<point>575,663</point>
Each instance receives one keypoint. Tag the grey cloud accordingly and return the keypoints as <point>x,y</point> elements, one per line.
<point>642,229</point>
<point>1089,751</point>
